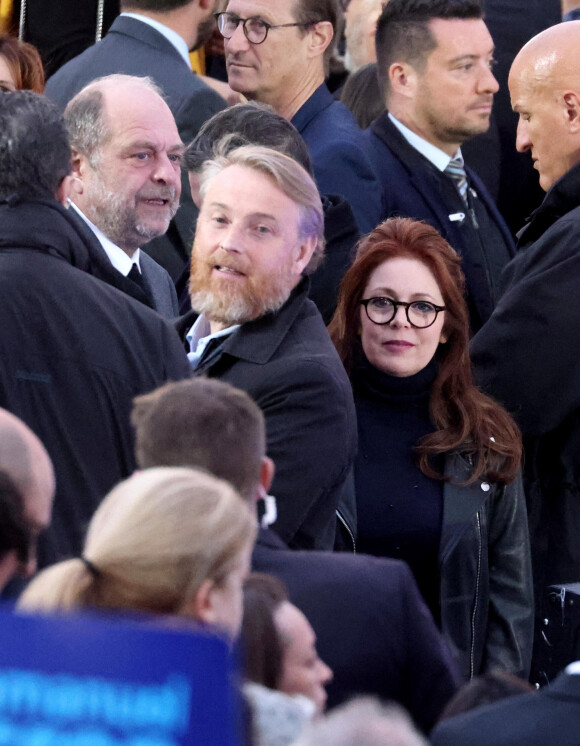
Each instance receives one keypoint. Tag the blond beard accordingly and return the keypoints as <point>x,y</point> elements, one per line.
<point>224,303</point>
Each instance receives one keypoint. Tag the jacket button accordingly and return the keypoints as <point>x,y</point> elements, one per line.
<point>485,486</point>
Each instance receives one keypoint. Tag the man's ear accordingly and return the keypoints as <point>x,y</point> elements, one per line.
<point>320,36</point>
<point>267,471</point>
<point>79,164</point>
<point>70,186</point>
<point>403,79</point>
<point>572,104</point>
<point>305,252</point>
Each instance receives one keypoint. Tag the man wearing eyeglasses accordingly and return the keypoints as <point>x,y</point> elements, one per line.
<point>278,53</point>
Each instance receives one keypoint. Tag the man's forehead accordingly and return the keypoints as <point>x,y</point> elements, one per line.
<point>140,120</point>
<point>248,190</point>
<point>267,9</point>
<point>461,36</point>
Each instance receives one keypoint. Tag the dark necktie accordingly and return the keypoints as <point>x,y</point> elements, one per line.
<point>136,276</point>
<point>456,170</point>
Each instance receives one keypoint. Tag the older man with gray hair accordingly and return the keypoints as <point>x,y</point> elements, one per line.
<point>260,230</point>
<point>127,163</point>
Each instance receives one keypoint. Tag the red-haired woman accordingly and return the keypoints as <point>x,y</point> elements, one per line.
<point>437,472</point>
<point>20,66</point>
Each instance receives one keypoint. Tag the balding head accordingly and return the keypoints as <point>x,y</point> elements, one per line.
<point>25,460</point>
<point>544,84</point>
<point>126,158</point>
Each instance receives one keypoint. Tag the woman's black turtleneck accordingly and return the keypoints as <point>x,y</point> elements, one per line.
<point>399,509</point>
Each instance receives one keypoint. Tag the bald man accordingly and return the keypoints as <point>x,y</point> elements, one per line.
<point>528,354</point>
<point>27,487</point>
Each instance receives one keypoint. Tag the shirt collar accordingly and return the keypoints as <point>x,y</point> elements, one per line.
<point>199,336</point>
<point>121,261</point>
<point>172,36</point>
<point>437,157</point>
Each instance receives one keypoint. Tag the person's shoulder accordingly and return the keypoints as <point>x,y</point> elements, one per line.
<point>480,727</point>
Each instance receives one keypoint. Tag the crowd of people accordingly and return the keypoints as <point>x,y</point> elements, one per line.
<point>299,369</point>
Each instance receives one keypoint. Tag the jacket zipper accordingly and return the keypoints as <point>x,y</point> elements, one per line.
<point>474,613</point>
<point>343,520</point>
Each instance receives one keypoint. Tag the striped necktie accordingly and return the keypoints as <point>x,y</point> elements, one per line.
<point>456,169</point>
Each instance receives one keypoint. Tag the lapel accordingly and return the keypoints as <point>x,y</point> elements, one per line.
<point>321,99</point>
<point>460,503</point>
<point>426,180</point>
<point>422,174</point>
<point>101,267</point>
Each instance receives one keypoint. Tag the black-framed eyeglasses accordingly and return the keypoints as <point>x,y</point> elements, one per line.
<point>420,313</point>
<point>255,29</point>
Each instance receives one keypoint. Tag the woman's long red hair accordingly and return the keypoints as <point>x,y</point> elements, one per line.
<point>465,419</point>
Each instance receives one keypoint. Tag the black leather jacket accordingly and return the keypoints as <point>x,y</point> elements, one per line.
<point>486,579</point>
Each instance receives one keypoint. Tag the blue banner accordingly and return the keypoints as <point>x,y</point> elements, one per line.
<point>86,681</point>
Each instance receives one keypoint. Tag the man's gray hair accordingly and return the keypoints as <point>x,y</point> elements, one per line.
<point>289,177</point>
<point>85,118</point>
<point>363,722</point>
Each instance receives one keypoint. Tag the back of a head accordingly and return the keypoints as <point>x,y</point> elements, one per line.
<point>483,690</point>
<point>34,147</point>
<point>403,33</point>
<point>151,544</point>
<point>363,722</point>
<point>202,423</point>
<point>247,124</point>
<point>361,93</point>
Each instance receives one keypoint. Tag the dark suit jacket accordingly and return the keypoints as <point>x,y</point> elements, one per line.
<point>339,158</point>
<point>75,352</point>
<point>134,48</point>
<point>163,297</point>
<point>412,187</point>
<point>286,362</point>
<point>548,718</point>
<point>372,626</point>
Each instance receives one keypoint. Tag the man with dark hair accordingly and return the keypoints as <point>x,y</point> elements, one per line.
<point>126,157</point>
<point>153,37</point>
<point>372,626</point>
<point>434,66</point>
<point>279,57</point>
<point>74,350</point>
<point>258,124</point>
<point>26,493</point>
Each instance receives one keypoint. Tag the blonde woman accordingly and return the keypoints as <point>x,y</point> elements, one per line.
<point>169,541</point>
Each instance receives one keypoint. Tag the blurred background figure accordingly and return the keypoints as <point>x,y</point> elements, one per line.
<point>364,722</point>
<point>360,28</point>
<point>166,541</point>
<point>483,690</point>
<point>449,499</point>
<point>26,496</point>
<point>20,66</point>
<point>59,30</point>
<point>362,95</point>
<point>279,644</point>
